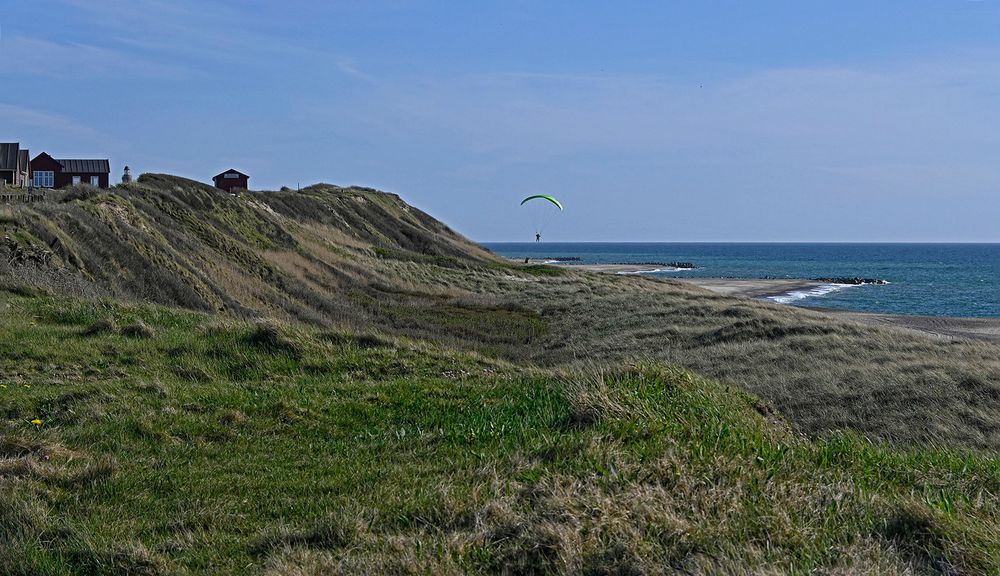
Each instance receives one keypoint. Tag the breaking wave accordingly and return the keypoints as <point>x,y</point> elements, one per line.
<point>814,292</point>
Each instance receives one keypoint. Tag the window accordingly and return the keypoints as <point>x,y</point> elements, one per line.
<point>95,181</point>
<point>76,180</point>
<point>44,179</point>
<point>231,176</point>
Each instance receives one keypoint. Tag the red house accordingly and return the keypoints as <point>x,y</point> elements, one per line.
<point>48,172</point>
<point>231,179</point>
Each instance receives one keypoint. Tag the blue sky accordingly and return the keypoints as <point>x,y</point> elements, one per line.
<point>655,121</point>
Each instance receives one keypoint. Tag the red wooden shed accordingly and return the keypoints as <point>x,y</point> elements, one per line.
<point>231,179</point>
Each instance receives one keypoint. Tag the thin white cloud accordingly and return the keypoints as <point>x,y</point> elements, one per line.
<point>864,143</point>
<point>77,61</point>
<point>840,112</point>
<point>349,66</point>
<point>14,117</point>
<point>198,33</point>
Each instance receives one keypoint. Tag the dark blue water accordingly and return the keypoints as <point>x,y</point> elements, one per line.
<point>925,279</point>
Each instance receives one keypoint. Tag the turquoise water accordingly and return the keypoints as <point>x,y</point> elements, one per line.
<point>925,279</point>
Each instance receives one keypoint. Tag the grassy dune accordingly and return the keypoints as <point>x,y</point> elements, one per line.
<point>197,444</point>
<point>335,382</point>
<point>820,372</point>
<point>355,258</point>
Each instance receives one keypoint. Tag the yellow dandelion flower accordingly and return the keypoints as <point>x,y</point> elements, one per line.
<point>27,385</point>
<point>37,421</point>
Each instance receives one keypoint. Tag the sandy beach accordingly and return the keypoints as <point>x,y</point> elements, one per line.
<point>752,288</point>
<point>748,288</point>
<point>623,268</point>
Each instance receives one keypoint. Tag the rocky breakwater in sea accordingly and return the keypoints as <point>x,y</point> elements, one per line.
<point>854,281</point>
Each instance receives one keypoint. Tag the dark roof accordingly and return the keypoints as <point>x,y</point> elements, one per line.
<point>8,155</point>
<point>22,159</point>
<point>230,171</point>
<point>85,166</point>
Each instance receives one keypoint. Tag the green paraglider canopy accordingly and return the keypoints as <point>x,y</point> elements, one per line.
<point>543,197</point>
<point>541,212</point>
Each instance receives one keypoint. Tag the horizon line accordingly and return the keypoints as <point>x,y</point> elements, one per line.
<point>912,242</point>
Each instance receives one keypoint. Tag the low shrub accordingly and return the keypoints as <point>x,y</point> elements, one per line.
<point>103,326</point>
<point>138,330</point>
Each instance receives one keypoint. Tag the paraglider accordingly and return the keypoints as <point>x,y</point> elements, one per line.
<point>543,197</point>
<point>542,207</point>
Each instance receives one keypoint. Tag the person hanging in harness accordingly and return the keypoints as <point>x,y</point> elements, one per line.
<point>542,208</point>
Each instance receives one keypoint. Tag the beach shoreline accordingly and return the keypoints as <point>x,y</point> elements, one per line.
<point>949,327</point>
<point>624,269</point>
<point>762,288</point>
<point>744,287</point>
<point>773,289</point>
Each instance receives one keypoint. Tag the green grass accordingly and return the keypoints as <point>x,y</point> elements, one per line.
<point>541,270</point>
<point>221,446</point>
<point>363,260</point>
<point>417,405</point>
<point>409,256</point>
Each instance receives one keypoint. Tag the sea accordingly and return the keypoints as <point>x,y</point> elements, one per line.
<point>923,279</point>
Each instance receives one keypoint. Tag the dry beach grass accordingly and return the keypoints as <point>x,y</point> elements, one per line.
<point>363,259</point>
<point>219,446</point>
<point>334,382</point>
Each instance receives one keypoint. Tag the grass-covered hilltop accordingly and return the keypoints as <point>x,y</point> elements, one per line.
<point>331,381</point>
